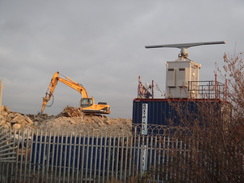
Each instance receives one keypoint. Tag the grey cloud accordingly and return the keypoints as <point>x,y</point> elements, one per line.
<point>101,45</point>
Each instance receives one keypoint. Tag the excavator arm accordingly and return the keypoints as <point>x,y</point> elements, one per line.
<point>67,81</point>
<point>87,104</point>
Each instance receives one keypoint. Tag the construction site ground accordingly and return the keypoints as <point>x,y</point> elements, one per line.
<point>69,121</point>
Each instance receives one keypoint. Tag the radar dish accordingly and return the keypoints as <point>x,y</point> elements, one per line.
<point>183,55</point>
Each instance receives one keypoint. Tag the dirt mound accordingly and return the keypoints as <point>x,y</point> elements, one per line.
<point>72,121</point>
<point>92,125</point>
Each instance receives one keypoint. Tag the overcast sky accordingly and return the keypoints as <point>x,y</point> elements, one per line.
<point>101,44</point>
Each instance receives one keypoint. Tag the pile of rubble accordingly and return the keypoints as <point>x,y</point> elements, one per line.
<point>72,121</point>
<point>69,121</point>
<point>88,125</point>
<point>14,120</point>
<point>71,112</point>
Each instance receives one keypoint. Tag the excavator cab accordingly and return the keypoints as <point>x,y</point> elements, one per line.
<point>89,107</point>
<point>86,102</point>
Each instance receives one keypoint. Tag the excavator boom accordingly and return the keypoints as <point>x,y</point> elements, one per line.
<point>87,104</point>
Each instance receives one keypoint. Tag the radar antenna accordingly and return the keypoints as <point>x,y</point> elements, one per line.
<point>183,55</point>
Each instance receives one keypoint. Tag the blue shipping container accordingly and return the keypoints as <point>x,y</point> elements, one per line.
<point>170,111</point>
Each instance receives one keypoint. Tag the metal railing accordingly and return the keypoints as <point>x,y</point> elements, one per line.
<point>7,146</point>
<point>42,156</point>
<point>207,89</point>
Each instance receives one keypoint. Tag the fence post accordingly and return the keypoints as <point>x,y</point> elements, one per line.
<point>1,97</point>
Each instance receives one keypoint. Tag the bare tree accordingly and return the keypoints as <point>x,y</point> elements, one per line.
<point>215,132</point>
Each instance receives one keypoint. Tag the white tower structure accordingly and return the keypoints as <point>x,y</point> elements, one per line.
<point>178,73</point>
<point>183,71</point>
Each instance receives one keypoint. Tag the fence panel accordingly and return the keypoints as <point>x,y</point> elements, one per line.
<point>41,156</point>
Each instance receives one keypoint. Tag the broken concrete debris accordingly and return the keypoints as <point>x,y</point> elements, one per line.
<point>69,121</point>
<point>14,120</point>
<point>71,112</point>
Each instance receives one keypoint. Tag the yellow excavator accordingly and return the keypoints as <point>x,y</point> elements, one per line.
<point>87,104</point>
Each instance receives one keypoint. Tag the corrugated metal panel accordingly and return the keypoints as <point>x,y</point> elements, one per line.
<point>163,111</point>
